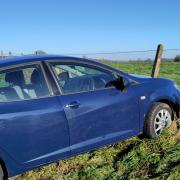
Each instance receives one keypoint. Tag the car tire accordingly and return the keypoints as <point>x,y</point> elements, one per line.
<point>158,118</point>
<point>1,173</point>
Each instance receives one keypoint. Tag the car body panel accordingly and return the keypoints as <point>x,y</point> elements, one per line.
<point>36,131</point>
<point>154,90</point>
<point>100,117</point>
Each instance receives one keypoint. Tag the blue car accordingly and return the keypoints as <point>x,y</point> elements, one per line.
<point>55,107</point>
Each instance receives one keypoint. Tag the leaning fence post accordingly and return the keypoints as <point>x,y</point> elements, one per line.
<point>157,61</point>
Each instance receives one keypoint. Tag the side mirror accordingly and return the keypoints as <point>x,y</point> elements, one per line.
<point>117,83</point>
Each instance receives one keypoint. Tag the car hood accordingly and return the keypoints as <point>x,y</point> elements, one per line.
<point>140,78</point>
<point>144,79</point>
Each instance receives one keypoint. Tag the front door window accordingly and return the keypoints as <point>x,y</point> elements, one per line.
<point>74,78</point>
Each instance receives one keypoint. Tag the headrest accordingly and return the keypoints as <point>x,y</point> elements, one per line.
<point>35,77</point>
<point>16,78</point>
<point>63,76</point>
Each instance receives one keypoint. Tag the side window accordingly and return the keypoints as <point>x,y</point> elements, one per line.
<point>22,83</point>
<point>74,78</point>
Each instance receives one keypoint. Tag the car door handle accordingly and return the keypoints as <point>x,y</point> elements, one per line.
<point>73,104</point>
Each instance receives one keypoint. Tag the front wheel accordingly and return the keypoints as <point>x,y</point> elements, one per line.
<point>158,118</point>
<point>1,173</point>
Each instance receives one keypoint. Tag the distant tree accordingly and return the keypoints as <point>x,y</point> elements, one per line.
<point>167,59</point>
<point>10,53</point>
<point>148,60</point>
<point>177,58</point>
<point>39,52</point>
<point>2,54</point>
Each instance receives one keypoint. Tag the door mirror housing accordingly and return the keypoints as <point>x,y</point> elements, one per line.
<point>118,83</point>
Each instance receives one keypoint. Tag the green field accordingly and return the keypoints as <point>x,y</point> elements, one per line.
<point>135,158</point>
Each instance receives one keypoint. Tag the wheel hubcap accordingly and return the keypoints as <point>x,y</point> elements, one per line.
<point>162,120</point>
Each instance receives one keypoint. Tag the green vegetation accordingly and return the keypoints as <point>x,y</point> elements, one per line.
<point>168,69</point>
<point>135,158</point>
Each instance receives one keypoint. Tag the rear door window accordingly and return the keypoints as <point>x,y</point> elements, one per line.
<point>22,83</point>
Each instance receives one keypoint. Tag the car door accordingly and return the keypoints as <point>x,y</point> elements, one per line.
<point>97,114</point>
<point>33,126</point>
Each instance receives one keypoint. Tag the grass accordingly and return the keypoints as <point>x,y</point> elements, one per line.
<point>134,158</point>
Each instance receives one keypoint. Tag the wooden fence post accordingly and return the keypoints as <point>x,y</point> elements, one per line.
<point>157,61</point>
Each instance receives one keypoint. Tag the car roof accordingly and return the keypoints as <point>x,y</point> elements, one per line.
<point>30,58</point>
<point>5,62</point>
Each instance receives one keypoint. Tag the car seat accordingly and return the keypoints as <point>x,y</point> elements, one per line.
<point>37,85</point>
<point>17,82</point>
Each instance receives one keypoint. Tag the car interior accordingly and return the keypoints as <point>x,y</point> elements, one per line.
<point>17,89</point>
<point>87,82</point>
<point>14,84</point>
<point>74,79</point>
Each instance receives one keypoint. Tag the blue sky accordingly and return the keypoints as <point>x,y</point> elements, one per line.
<point>81,26</point>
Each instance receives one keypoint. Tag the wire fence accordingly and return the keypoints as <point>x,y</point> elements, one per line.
<point>134,62</point>
<point>133,55</point>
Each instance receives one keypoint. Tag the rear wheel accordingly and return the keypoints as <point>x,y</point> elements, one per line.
<point>158,118</point>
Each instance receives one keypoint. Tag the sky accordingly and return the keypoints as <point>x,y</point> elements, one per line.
<point>87,26</point>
